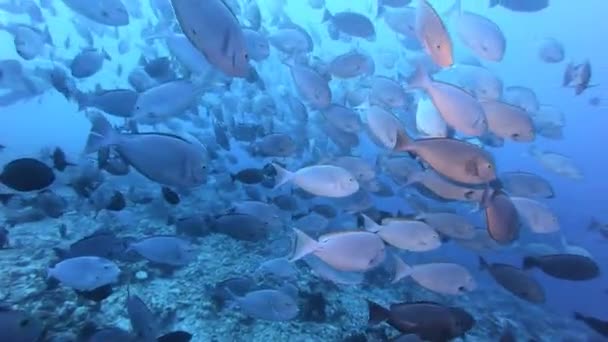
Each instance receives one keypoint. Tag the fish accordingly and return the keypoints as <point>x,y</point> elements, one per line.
<point>526,184</point>
<point>521,5</point>
<point>449,224</point>
<point>105,12</point>
<point>386,129</point>
<point>480,34</point>
<point>245,227</point>
<point>598,325</point>
<point>457,160</point>
<point>165,250</point>
<point>350,251</point>
<point>249,176</point>
<point>102,243</point>
<point>352,64</point>
<point>268,304</point>
<point>536,215</point>
<point>182,163</point>
<point>429,321</point>
<point>26,175</point>
<point>321,180</point>
<point>409,235</point>
<point>60,162</point>
<point>88,62</point>
<point>343,118</point>
<point>458,108</point>
<point>433,35</point>
<point>502,218</point>
<point>17,325</point>
<point>444,278</point>
<point>258,46</point>
<point>85,273</point>
<point>165,100</point>
<point>429,122</point>
<point>29,41</point>
<point>170,196</point>
<point>564,266</point>
<point>556,162</point>
<point>143,322</point>
<point>387,92</point>
<point>311,86</point>
<point>522,97</point>
<point>508,121</point>
<point>215,31</point>
<point>352,24</point>
<point>551,50</point>
<point>515,280</point>
<point>279,268</point>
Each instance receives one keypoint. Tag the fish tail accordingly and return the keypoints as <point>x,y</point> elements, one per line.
<point>420,78</point>
<point>529,262</point>
<point>283,176</point>
<point>402,144</point>
<point>578,316</point>
<point>483,264</point>
<point>304,245</point>
<point>377,313</point>
<point>414,178</point>
<point>102,133</point>
<point>402,270</point>
<point>594,224</point>
<point>326,16</point>
<point>369,224</point>
<point>494,3</point>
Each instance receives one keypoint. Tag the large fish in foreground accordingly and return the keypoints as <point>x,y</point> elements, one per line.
<point>166,159</point>
<point>215,31</point>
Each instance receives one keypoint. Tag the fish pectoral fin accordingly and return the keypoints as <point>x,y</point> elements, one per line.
<point>226,43</point>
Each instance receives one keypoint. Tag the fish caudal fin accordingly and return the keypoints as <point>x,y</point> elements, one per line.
<point>304,245</point>
<point>494,3</point>
<point>102,133</point>
<point>370,225</point>
<point>377,313</point>
<point>529,262</point>
<point>420,78</point>
<point>283,176</point>
<point>326,16</point>
<point>402,270</point>
<point>483,264</point>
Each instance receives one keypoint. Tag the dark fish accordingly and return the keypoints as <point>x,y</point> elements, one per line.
<point>59,161</point>
<point>116,102</point>
<point>158,68</point>
<point>286,202</point>
<point>19,326</point>
<point>502,219</point>
<point>515,280</point>
<point>143,323</point>
<point>507,335</point>
<point>102,243</point>
<point>564,266</point>
<point>521,5</point>
<point>117,202</point>
<point>3,237</point>
<point>2,147</point>
<point>175,336</point>
<point>526,184</point>
<point>430,321</point>
<point>170,196</point>
<point>110,334</point>
<point>63,84</point>
<point>598,325</point>
<point>27,174</point>
<point>249,176</point>
<point>98,294</point>
<point>225,290</point>
<point>241,227</point>
<point>194,225</point>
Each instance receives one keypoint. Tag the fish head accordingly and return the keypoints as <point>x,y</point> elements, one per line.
<point>486,169</point>
<point>349,184</point>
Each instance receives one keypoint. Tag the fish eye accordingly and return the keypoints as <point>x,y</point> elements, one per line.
<point>489,166</point>
<point>461,288</point>
<point>247,56</point>
<point>438,46</point>
<point>24,322</point>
